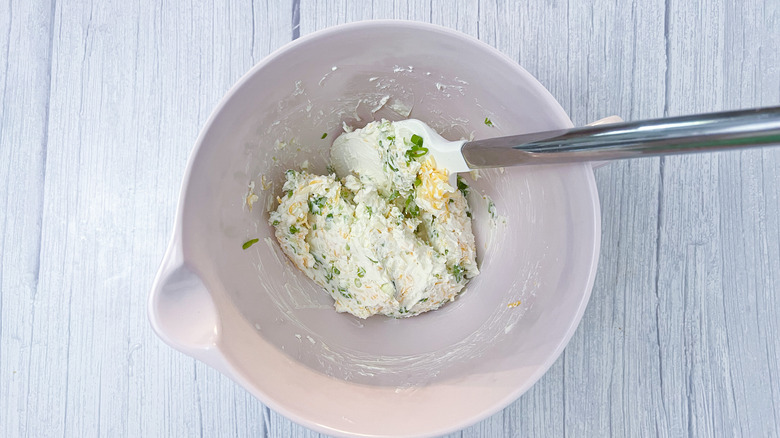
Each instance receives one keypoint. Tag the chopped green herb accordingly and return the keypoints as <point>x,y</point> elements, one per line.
<point>293,229</point>
<point>360,271</point>
<point>410,207</point>
<point>468,214</point>
<point>369,210</point>
<point>325,134</point>
<point>331,170</point>
<point>417,182</point>
<point>358,283</point>
<point>290,174</point>
<point>336,271</point>
<point>347,247</point>
<point>275,223</point>
<point>374,261</point>
<point>416,151</point>
<point>457,272</point>
<point>344,293</point>
<point>289,193</point>
<point>390,165</point>
<point>462,186</point>
<point>249,243</point>
<point>394,195</point>
<point>316,203</point>
<point>313,226</point>
<point>329,216</point>
<point>346,194</point>
<point>423,300</point>
<point>488,122</point>
<point>417,140</point>
<point>492,209</point>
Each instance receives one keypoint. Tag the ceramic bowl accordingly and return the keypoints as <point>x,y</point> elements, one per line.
<point>257,319</point>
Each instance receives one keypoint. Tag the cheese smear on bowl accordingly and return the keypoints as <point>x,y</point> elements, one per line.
<point>386,233</point>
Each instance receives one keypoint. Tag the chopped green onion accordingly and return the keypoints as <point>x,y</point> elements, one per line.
<point>361,272</point>
<point>249,243</point>
<point>463,187</point>
<point>457,272</point>
<point>324,135</point>
<point>390,165</point>
<point>293,229</point>
<point>316,203</point>
<point>492,209</point>
<point>488,122</point>
<point>410,207</point>
<point>416,151</point>
<point>344,293</point>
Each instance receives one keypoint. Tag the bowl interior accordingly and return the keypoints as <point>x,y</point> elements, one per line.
<point>537,246</point>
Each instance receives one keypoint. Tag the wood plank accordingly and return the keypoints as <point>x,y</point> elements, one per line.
<point>719,257</point>
<point>586,74</point>
<point>319,14</point>
<point>616,66</point>
<point>24,93</point>
<point>131,87</point>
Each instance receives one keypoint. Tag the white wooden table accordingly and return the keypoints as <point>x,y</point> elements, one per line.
<point>102,102</point>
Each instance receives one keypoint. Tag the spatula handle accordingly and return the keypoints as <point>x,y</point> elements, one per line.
<point>675,135</point>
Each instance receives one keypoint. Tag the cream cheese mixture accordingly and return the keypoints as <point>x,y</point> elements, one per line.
<point>386,233</point>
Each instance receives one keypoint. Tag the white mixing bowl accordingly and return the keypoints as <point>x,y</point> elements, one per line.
<point>256,318</point>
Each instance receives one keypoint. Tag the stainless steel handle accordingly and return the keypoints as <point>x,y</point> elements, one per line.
<point>675,135</point>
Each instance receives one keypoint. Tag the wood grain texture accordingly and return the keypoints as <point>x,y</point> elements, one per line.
<point>130,88</point>
<point>102,101</point>
<point>718,235</point>
<point>24,62</point>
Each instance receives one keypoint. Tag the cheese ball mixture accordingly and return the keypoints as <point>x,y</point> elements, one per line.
<point>386,233</point>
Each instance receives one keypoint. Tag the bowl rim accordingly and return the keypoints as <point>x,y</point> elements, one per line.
<point>216,358</point>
